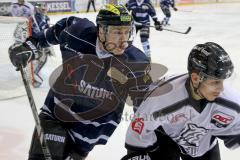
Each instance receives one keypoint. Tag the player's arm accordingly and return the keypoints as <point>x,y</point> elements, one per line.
<point>141,140</point>
<point>231,135</point>
<point>128,5</point>
<point>173,5</point>
<point>231,142</point>
<point>152,13</point>
<point>21,54</point>
<point>51,35</point>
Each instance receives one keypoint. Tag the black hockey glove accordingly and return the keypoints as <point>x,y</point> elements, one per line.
<point>175,9</point>
<point>21,54</point>
<point>158,25</point>
<point>136,155</point>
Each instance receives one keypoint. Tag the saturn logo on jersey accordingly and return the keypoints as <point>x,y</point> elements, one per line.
<point>221,120</point>
<point>94,92</point>
<point>137,125</point>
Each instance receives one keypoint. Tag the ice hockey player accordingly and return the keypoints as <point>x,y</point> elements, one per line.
<point>43,23</point>
<point>186,114</point>
<point>89,4</point>
<point>100,69</point>
<point>165,7</point>
<point>22,9</point>
<point>41,16</point>
<point>26,9</point>
<point>141,11</point>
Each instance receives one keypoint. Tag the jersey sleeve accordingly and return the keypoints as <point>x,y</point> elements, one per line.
<point>173,3</point>
<point>141,131</point>
<point>229,120</point>
<point>231,137</point>
<point>152,12</point>
<point>51,35</point>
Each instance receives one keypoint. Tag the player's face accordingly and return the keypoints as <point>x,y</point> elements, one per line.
<point>211,88</point>
<point>117,39</point>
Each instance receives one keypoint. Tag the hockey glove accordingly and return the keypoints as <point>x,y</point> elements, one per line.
<point>21,54</point>
<point>158,25</point>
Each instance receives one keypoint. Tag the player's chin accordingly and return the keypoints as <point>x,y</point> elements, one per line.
<point>118,51</point>
<point>212,97</point>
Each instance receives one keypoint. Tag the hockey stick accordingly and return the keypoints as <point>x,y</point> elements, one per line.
<point>171,30</point>
<point>40,132</point>
<point>182,10</point>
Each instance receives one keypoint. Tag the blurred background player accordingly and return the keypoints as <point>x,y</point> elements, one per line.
<point>89,4</point>
<point>40,21</point>
<point>22,9</point>
<point>165,6</point>
<point>41,15</point>
<point>141,11</point>
<point>43,23</point>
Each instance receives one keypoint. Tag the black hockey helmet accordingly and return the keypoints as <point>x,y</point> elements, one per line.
<point>210,60</point>
<point>116,15</point>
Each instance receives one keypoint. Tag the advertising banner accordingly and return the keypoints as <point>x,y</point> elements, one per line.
<point>59,6</point>
<point>185,1</point>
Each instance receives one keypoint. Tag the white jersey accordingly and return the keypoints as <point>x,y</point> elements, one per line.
<point>25,10</point>
<point>192,126</point>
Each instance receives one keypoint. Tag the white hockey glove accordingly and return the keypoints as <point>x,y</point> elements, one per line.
<point>21,54</point>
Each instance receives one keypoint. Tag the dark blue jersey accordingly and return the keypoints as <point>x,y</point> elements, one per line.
<point>42,22</point>
<point>89,90</point>
<point>167,3</point>
<point>142,12</point>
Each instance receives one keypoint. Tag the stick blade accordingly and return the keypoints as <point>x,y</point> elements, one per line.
<point>188,30</point>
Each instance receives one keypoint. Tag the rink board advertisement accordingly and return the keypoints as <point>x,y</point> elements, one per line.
<point>59,6</point>
<point>55,6</point>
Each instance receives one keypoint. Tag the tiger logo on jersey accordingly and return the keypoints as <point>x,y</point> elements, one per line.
<point>190,137</point>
